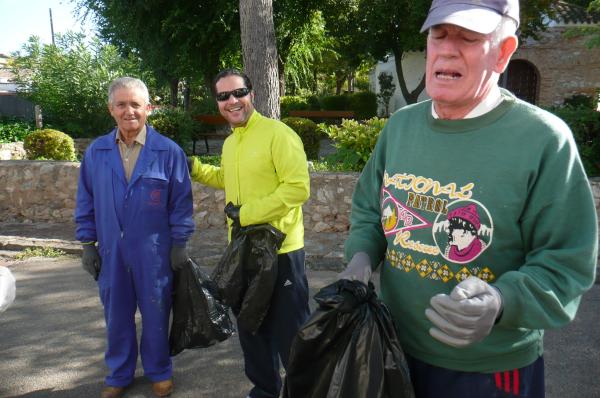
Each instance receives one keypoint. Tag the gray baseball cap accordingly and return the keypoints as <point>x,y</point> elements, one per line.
<point>481,16</point>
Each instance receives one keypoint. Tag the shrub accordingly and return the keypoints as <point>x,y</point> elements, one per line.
<point>359,137</point>
<point>343,159</point>
<point>314,103</point>
<point>579,100</point>
<point>387,88</point>
<point>49,144</point>
<point>175,124</point>
<point>292,103</point>
<point>336,103</point>
<point>364,104</point>
<point>585,124</point>
<point>13,130</point>
<point>308,132</point>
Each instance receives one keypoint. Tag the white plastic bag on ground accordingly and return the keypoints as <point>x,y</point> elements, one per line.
<point>7,288</point>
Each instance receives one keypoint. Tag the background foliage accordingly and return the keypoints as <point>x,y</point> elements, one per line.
<point>174,123</point>
<point>578,112</point>
<point>70,81</point>
<point>308,132</point>
<point>13,130</point>
<point>356,137</point>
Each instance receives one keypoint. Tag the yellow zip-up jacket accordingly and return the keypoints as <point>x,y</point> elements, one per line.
<point>263,169</point>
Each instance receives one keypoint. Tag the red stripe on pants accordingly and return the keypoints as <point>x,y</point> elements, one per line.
<point>507,382</point>
<point>498,381</point>
<point>516,381</point>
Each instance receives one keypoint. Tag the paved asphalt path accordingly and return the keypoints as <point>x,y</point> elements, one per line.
<point>52,340</point>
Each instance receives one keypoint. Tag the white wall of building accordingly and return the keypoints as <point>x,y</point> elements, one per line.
<point>413,66</point>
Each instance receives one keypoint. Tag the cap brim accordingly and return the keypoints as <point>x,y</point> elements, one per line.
<point>477,19</point>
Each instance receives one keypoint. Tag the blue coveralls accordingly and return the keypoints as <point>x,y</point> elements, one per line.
<point>135,225</point>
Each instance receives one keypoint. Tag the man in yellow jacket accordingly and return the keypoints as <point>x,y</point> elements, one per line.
<point>265,177</point>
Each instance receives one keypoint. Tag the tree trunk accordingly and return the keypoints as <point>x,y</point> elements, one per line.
<point>174,86</point>
<point>340,79</point>
<point>259,49</point>
<point>412,96</point>
<point>281,71</point>
<point>187,96</point>
<point>351,81</point>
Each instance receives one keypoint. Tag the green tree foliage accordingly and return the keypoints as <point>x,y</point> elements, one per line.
<point>380,28</point>
<point>591,32</point>
<point>69,81</point>
<point>300,39</point>
<point>178,40</point>
<point>301,47</point>
<point>49,144</point>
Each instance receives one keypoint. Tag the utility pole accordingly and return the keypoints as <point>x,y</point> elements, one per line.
<point>51,26</point>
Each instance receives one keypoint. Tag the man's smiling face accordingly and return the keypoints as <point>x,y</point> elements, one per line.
<point>236,111</point>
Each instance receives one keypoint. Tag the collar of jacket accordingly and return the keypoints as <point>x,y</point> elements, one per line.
<point>109,141</point>
<point>255,117</point>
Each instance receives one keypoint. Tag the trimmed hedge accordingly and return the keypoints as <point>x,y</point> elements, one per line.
<point>49,144</point>
<point>364,105</point>
<point>292,103</point>
<point>308,132</point>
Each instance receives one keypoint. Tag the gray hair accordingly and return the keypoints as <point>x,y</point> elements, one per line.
<point>129,83</point>
<point>507,27</point>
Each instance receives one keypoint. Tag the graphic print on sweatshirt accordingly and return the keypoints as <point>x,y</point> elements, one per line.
<point>458,228</point>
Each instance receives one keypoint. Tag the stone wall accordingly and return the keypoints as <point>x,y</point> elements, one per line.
<point>565,66</point>
<point>12,150</point>
<point>44,191</point>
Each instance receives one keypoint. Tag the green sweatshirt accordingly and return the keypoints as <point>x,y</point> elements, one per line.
<point>503,197</point>
<point>263,169</point>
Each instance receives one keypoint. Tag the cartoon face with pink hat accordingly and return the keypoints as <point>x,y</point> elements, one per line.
<point>467,235</point>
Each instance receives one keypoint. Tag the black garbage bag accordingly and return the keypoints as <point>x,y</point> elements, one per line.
<point>247,272</point>
<point>199,318</point>
<point>348,348</point>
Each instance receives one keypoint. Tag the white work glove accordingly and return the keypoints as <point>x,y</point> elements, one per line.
<point>358,269</point>
<point>7,288</point>
<point>467,315</point>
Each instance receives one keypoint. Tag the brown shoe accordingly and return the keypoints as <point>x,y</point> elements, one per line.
<point>163,388</point>
<point>112,392</point>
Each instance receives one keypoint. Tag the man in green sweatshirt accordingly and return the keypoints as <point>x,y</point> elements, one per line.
<point>265,177</point>
<point>477,210</point>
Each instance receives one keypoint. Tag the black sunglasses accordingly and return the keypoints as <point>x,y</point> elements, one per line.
<point>237,93</point>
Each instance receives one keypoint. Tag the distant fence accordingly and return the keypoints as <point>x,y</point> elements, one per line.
<point>13,106</point>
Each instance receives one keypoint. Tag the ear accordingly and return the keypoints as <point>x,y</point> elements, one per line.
<point>507,49</point>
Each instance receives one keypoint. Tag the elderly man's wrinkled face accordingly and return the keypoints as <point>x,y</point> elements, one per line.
<point>460,69</point>
<point>129,109</point>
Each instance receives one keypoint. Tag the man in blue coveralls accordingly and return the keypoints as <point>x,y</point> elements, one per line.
<point>134,217</point>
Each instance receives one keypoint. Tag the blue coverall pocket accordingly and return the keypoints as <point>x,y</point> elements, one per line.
<point>154,191</point>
